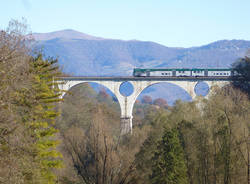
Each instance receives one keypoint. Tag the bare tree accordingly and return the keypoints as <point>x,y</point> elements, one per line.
<point>98,155</point>
<point>13,76</point>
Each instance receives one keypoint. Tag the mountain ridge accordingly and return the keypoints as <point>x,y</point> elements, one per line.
<point>64,34</point>
<point>73,34</point>
<point>80,53</point>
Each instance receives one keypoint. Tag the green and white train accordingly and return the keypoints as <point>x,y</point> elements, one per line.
<point>174,72</point>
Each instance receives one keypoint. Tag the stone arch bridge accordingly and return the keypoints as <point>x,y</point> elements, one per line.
<point>139,84</point>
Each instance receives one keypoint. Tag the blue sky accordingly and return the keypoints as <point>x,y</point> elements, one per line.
<point>174,23</point>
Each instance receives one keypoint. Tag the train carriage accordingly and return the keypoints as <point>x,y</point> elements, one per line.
<point>198,72</point>
<point>175,72</point>
<point>219,72</point>
<point>182,72</point>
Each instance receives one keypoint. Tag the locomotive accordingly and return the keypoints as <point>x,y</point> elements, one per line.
<point>174,72</point>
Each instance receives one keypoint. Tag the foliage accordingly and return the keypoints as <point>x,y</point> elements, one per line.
<point>160,102</point>
<point>42,115</point>
<point>242,67</point>
<point>147,99</point>
<point>168,160</point>
<point>213,133</point>
<point>156,121</point>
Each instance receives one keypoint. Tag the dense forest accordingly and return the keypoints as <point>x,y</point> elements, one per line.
<point>77,140</point>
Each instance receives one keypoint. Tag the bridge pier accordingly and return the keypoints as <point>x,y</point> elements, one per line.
<point>126,125</point>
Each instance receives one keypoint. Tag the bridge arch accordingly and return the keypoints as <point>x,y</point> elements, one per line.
<point>94,85</point>
<point>189,88</point>
<point>70,84</point>
<point>112,86</point>
<point>139,86</point>
<point>166,89</point>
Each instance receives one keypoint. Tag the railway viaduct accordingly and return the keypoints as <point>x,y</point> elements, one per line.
<point>139,84</point>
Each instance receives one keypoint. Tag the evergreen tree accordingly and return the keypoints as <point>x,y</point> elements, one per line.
<point>169,164</point>
<point>38,115</point>
<point>43,116</point>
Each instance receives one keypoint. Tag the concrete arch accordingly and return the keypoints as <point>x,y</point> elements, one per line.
<point>139,86</point>
<point>69,84</point>
<point>112,86</point>
<point>84,82</point>
<point>171,83</point>
<point>189,88</point>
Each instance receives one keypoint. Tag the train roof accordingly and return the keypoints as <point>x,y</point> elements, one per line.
<point>181,69</point>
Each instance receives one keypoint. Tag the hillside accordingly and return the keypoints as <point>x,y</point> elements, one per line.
<point>85,55</point>
<point>82,54</point>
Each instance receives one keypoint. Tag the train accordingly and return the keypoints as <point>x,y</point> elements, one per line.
<point>175,72</point>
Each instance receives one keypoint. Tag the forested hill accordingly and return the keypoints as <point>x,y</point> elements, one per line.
<point>82,54</point>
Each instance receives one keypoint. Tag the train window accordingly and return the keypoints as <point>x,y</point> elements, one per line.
<point>162,73</point>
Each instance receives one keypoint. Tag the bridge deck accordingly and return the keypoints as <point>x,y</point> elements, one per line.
<point>117,78</point>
